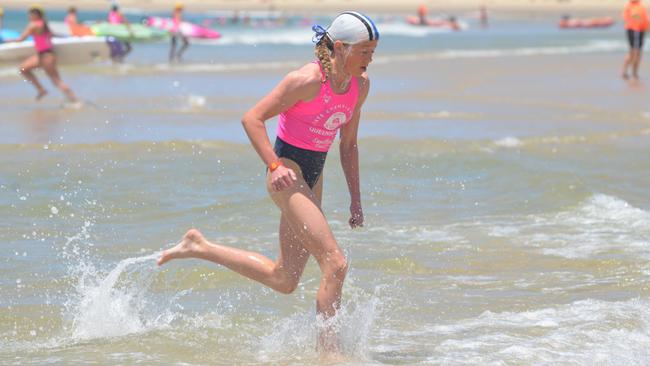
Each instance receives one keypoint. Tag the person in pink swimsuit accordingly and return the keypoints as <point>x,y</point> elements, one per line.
<point>315,102</point>
<point>44,57</point>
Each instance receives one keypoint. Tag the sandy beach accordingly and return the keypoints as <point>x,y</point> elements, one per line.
<point>320,6</point>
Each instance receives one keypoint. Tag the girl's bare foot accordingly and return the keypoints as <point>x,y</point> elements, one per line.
<point>70,95</point>
<point>41,94</point>
<point>189,247</point>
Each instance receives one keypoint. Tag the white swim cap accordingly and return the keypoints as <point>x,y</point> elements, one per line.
<point>350,27</point>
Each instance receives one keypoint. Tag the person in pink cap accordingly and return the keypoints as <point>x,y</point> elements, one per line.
<point>314,103</point>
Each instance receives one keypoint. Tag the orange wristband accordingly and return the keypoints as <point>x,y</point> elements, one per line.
<point>274,165</point>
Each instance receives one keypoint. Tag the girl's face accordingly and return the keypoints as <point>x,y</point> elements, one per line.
<point>358,56</point>
<point>33,16</point>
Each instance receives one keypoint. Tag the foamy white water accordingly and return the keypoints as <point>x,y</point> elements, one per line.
<point>582,332</point>
<point>104,308</point>
<point>599,226</point>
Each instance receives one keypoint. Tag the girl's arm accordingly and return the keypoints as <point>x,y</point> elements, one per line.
<point>296,86</point>
<point>29,29</point>
<point>349,152</point>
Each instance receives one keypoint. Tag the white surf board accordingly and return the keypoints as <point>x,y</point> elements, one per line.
<point>73,50</point>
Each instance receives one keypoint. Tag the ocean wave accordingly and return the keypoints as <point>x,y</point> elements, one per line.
<point>201,67</point>
<point>508,142</point>
<point>217,67</point>
<point>537,141</point>
<point>600,225</point>
<point>9,72</point>
<point>190,146</point>
<point>302,36</point>
<point>589,47</point>
<point>284,37</point>
<point>584,332</point>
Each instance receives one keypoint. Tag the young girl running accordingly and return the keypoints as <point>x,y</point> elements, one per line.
<point>44,57</point>
<point>314,102</point>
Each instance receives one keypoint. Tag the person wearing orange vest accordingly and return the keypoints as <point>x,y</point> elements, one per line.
<point>636,20</point>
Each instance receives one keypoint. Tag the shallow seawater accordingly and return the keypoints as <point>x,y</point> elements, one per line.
<point>504,190</point>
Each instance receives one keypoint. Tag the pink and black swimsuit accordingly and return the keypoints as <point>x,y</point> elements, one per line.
<point>43,41</point>
<point>307,129</point>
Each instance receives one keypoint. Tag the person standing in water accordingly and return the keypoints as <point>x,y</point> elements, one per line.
<point>422,14</point>
<point>115,16</point>
<point>44,58</point>
<point>177,35</point>
<point>483,16</point>
<point>636,24</point>
<point>314,102</point>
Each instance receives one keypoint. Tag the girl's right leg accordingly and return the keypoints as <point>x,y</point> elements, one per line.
<point>26,68</point>
<point>303,231</point>
<point>301,207</point>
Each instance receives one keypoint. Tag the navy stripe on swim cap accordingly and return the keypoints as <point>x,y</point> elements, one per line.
<point>368,23</point>
<point>374,28</point>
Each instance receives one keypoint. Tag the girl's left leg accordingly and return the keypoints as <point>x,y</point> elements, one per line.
<point>636,61</point>
<point>48,62</point>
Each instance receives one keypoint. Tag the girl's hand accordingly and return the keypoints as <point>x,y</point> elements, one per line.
<point>282,178</point>
<point>356,215</point>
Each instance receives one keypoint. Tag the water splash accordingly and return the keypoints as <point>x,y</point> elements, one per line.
<point>195,101</point>
<point>118,303</point>
<point>295,337</point>
<point>508,142</point>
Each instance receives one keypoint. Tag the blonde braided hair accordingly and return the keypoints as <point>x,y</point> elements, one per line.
<point>324,49</point>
